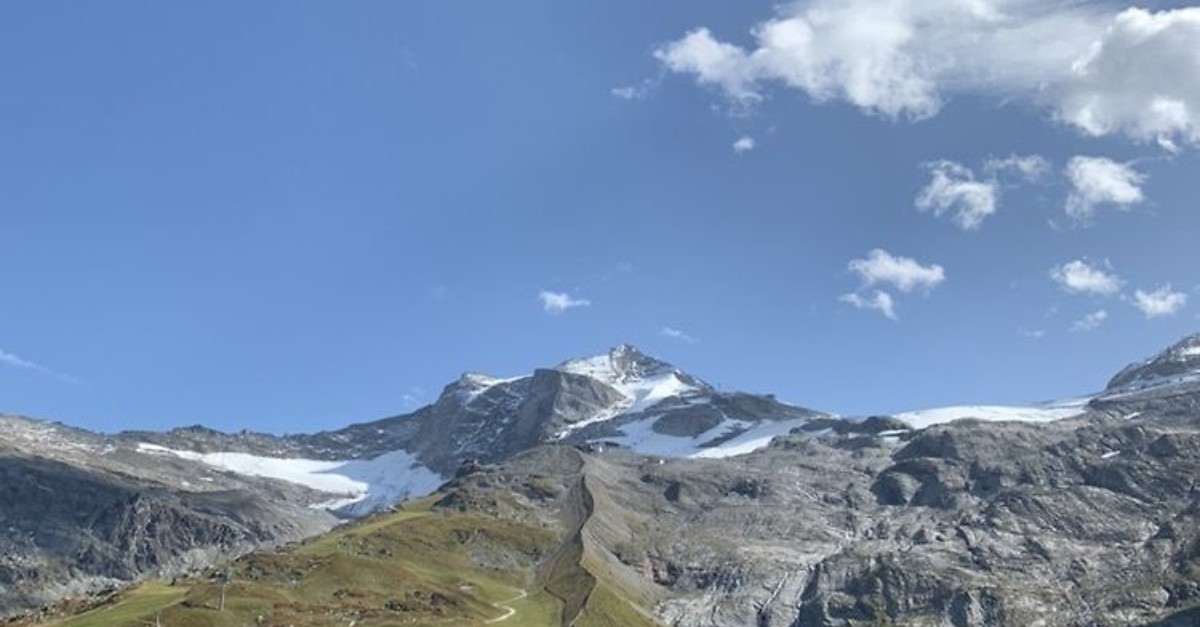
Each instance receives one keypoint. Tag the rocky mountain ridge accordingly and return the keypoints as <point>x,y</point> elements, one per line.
<point>812,508</point>
<point>241,491</point>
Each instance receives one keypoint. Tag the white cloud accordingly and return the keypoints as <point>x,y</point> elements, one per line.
<point>1141,77</point>
<point>558,302</point>
<point>713,63</point>
<point>1028,167</point>
<point>1079,277</point>
<point>744,144</point>
<point>1097,181</point>
<point>880,301</point>
<point>880,267</point>
<point>1102,71</point>
<point>676,334</point>
<point>1033,334</point>
<point>1090,322</point>
<point>953,190</point>
<point>1160,302</point>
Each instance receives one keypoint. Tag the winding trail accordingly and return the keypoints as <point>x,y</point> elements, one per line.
<point>508,611</point>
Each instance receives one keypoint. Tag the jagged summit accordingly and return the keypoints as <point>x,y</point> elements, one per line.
<point>624,364</point>
<point>1177,364</point>
<point>620,363</point>
<point>623,367</point>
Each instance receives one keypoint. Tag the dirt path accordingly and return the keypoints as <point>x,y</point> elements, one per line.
<point>508,611</point>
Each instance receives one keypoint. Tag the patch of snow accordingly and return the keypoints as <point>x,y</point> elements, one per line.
<point>994,413</point>
<point>640,395</point>
<point>757,437</point>
<point>599,367</point>
<point>1110,454</point>
<point>1190,351</point>
<point>641,437</point>
<point>646,393</point>
<point>361,485</point>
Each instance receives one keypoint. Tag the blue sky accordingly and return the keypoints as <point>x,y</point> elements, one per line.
<point>291,216</point>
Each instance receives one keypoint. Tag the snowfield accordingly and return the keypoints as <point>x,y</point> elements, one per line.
<point>994,413</point>
<point>640,437</point>
<point>360,486</point>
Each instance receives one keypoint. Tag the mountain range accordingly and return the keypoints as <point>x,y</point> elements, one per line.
<point>619,489</point>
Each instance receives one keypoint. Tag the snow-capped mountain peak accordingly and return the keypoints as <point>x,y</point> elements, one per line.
<point>620,364</point>
<point>642,380</point>
<point>626,364</point>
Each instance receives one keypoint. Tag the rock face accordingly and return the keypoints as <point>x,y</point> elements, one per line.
<point>70,530</point>
<point>1091,521</point>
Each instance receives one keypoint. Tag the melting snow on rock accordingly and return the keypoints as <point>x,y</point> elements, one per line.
<point>361,485</point>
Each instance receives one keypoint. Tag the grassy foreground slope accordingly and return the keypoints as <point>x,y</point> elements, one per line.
<point>503,549</point>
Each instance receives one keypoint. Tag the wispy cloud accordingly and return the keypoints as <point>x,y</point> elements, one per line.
<point>1090,322</point>
<point>621,269</point>
<point>1028,167</point>
<point>676,334</point>
<point>556,303</point>
<point>15,361</point>
<point>1080,277</point>
<point>880,301</point>
<point>1162,301</point>
<point>1033,334</point>
<point>744,144</point>
<point>637,91</point>
<point>413,397</point>
<point>628,92</point>
<point>954,191</point>
<point>1097,181</point>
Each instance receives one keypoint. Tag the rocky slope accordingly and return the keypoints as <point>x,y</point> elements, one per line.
<point>178,499</point>
<point>70,530</point>
<point>1089,521</point>
<point>670,502</point>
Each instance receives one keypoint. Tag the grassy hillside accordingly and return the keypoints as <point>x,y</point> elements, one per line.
<point>413,567</point>
<point>491,559</point>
